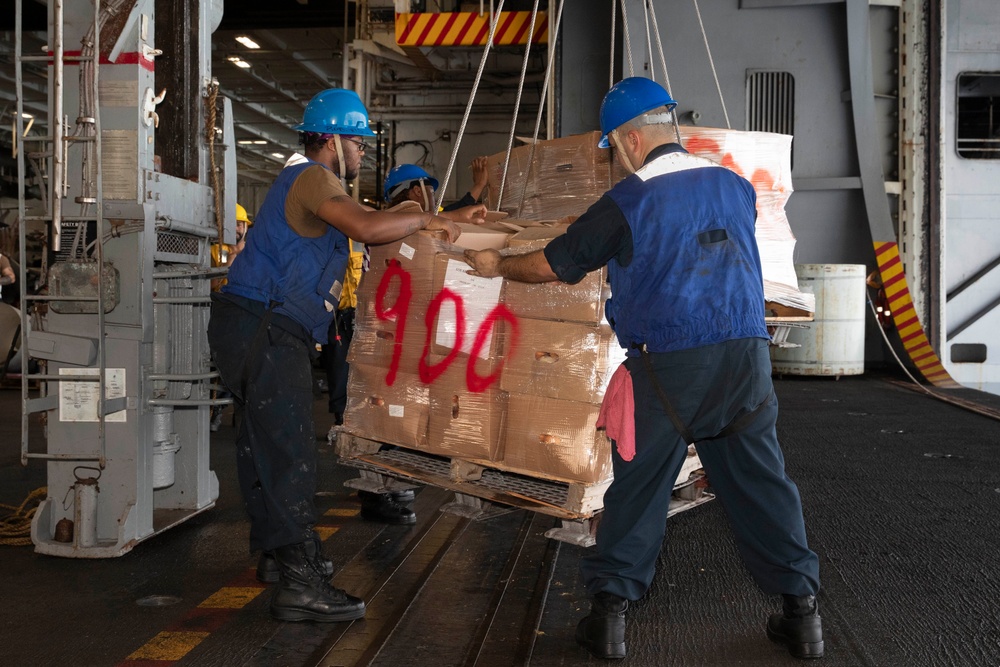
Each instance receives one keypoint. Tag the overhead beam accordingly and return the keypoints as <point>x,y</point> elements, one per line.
<point>304,61</point>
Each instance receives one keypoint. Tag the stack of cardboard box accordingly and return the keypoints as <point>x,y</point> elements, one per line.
<point>557,370</point>
<point>494,372</point>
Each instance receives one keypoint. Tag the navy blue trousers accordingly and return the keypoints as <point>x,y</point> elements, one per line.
<point>708,387</point>
<point>269,372</point>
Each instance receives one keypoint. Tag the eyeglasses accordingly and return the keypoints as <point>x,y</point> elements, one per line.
<point>362,146</point>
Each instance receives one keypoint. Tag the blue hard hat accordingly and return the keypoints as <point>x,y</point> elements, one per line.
<point>629,98</point>
<point>405,174</point>
<point>335,111</point>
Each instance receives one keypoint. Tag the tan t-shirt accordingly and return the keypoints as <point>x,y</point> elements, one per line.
<point>311,188</point>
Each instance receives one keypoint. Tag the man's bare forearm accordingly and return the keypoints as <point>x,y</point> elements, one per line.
<point>532,267</point>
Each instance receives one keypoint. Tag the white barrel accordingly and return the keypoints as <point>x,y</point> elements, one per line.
<point>834,342</point>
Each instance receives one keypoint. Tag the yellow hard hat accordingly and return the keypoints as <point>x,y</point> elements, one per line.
<point>241,215</point>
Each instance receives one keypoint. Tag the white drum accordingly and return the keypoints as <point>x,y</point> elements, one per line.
<point>834,342</point>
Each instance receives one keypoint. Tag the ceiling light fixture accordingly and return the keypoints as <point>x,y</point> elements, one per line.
<point>245,142</point>
<point>247,42</point>
<point>260,142</point>
<point>280,156</point>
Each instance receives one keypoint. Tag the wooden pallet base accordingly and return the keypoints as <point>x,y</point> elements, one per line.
<point>568,501</point>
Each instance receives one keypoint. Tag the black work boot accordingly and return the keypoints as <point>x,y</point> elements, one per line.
<point>384,508</point>
<point>603,631</point>
<point>304,594</point>
<point>799,627</point>
<point>268,571</point>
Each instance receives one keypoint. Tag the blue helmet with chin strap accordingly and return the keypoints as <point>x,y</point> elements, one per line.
<point>335,111</point>
<point>404,175</point>
<point>629,98</point>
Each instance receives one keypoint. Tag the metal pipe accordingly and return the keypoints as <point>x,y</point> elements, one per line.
<point>58,129</point>
<point>182,299</point>
<point>189,401</point>
<point>85,501</point>
<point>164,222</point>
<point>182,377</point>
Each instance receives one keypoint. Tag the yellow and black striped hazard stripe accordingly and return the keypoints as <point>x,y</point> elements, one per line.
<point>905,317</point>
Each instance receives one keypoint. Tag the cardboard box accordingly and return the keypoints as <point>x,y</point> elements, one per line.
<point>536,237</point>
<point>582,302</point>
<point>550,438</point>
<point>415,254</point>
<point>563,360</point>
<point>487,236</point>
<point>396,414</point>
<point>464,423</point>
<point>479,297</point>
<point>374,342</point>
<point>558,177</point>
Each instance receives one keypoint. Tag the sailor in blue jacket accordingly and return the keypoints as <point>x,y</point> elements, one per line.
<point>687,304</point>
<point>278,303</point>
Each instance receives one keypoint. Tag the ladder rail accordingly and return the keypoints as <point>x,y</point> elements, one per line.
<point>60,141</point>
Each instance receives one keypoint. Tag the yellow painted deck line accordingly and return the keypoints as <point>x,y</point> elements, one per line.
<point>168,646</point>
<point>231,597</point>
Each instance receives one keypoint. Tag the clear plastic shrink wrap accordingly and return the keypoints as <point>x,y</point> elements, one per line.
<point>568,175</point>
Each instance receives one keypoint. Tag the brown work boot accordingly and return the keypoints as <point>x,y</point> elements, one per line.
<point>602,632</point>
<point>799,627</point>
<point>304,593</point>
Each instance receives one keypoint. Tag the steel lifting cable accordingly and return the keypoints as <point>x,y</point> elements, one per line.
<point>659,44</point>
<point>468,107</point>
<point>649,43</point>
<point>648,6</point>
<point>517,103</point>
<point>711,62</point>
<point>628,42</point>
<point>611,65</point>
<point>553,38</point>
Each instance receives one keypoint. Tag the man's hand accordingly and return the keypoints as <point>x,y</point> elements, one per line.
<point>475,214</point>
<point>484,263</point>
<point>6,280</point>
<point>480,174</point>
<point>437,223</point>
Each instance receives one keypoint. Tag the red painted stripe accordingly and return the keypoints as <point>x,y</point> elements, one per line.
<point>422,39</point>
<point>470,20</point>
<point>452,17</point>
<point>519,35</point>
<point>130,58</point>
<point>541,29</point>
<point>889,263</point>
<point>898,310</point>
<point>410,24</point>
<point>480,38</point>
<point>498,36</point>
<point>912,320</point>
<point>895,279</point>
<point>925,355</point>
<point>916,334</point>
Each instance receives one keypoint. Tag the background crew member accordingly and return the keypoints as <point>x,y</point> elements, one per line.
<point>223,254</point>
<point>688,304</point>
<point>408,182</point>
<point>277,304</point>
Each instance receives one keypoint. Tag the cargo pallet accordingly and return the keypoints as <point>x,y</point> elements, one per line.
<point>477,485</point>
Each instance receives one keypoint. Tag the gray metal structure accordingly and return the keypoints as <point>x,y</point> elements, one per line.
<point>134,463</point>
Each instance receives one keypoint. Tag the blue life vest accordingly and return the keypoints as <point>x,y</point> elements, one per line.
<point>278,266</point>
<point>695,277</point>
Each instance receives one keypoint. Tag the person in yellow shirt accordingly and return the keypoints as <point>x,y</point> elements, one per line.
<point>223,254</point>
